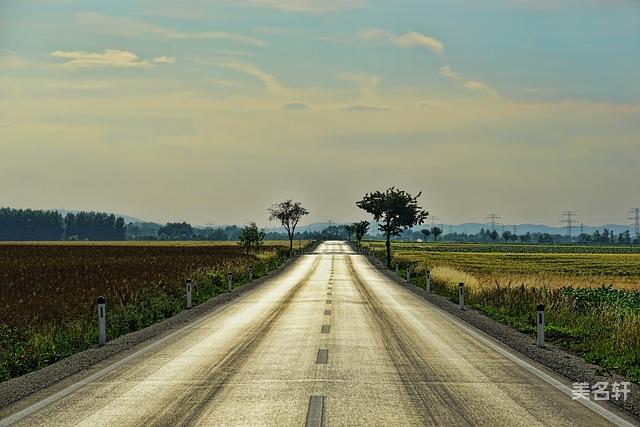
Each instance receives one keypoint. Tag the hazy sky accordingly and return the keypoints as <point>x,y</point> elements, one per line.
<point>209,111</point>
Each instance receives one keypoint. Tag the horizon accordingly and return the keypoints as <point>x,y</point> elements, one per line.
<point>212,112</point>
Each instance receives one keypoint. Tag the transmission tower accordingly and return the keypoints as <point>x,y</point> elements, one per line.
<point>569,218</point>
<point>515,230</point>
<point>433,220</point>
<point>493,220</point>
<point>635,220</point>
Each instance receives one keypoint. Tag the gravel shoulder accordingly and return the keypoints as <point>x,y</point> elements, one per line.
<point>557,360</point>
<point>18,393</point>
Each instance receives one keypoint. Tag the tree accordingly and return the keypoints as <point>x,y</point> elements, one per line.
<point>289,214</point>
<point>395,210</point>
<point>350,230</point>
<point>251,237</point>
<point>507,236</point>
<point>360,229</point>
<point>176,231</point>
<point>436,231</point>
<point>493,235</point>
<point>426,232</point>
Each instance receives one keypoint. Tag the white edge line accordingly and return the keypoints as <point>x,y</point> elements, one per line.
<point>103,372</point>
<point>605,413</point>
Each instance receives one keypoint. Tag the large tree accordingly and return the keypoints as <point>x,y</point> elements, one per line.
<point>395,210</point>
<point>350,230</point>
<point>289,214</point>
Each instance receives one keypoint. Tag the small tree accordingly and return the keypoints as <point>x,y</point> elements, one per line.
<point>350,229</point>
<point>360,229</point>
<point>289,214</point>
<point>436,231</point>
<point>251,237</point>
<point>395,210</point>
<point>426,232</point>
<point>493,235</point>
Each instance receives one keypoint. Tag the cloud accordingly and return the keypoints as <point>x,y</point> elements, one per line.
<point>448,72</point>
<point>270,82</point>
<point>295,106</point>
<point>367,83</point>
<point>165,59</point>
<point>405,41</point>
<point>128,27</point>
<point>108,58</point>
<point>364,108</point>
<point>307,6</point>
<point>9,59</point>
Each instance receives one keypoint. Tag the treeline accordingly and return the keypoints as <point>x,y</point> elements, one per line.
<point>33,225</point>
<point>605,237</point>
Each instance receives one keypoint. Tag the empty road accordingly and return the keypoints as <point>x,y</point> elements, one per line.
<point>331,341</point>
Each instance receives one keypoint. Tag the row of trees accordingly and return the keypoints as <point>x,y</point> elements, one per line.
<point>28,224</point>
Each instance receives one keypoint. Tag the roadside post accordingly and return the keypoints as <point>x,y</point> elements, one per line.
<point>461,296</point>
<point>229,281</point>
<point>427,281</point>
<point>408,274</point>
<point>102,320</point>
<point>397,269</point>
<point>540,322</point>
<point>188,293</point>
<point>250,273</point>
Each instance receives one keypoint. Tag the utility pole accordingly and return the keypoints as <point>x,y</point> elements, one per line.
<point>493,220</point>
<point>569,218</point>
<point>515,230</point>
<point>635,220</point>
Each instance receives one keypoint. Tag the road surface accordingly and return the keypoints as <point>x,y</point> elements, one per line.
<point>332,341</point>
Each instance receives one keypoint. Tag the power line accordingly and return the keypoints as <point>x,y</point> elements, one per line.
<point>493,220</point>
<point>635,220</point>
<point>569,218</point>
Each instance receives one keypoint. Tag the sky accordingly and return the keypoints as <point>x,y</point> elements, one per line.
<point>210,111</point>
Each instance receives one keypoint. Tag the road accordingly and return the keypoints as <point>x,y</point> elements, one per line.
<point>332,341</point>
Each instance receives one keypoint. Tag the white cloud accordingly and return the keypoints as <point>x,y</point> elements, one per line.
<point>165,59</point>
<point>270,82</point>
<point>307,6</point>
<point>367,83</point>
<point>107,58</point>
<point>128,27</point>
<point>448,72</point>
<point>408,40</point>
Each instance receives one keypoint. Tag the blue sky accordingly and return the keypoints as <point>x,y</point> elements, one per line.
<point>211,110</point>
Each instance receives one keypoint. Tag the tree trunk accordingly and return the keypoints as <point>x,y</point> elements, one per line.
<point>388,251</point>
<point>290,247</point>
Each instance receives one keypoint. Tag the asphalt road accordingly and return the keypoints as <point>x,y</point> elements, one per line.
<point>331,341</point>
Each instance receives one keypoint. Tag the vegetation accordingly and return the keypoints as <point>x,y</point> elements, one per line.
<point>288,213</point>
<point>583,315</point>
<point>47,303</point>
<point>395,210</point>
<point>251,238</point>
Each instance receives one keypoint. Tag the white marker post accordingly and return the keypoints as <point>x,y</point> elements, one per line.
<point>102,320</point>
<point>251,273</point>
<point>188,293</point>
<point>408,274</point>
<point>229,281</point>
<point>461,296</point>
<point>397,269</point>
<point>540,322</point>
<point>427,281</point>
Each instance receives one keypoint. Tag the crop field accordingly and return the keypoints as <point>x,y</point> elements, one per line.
<point>49,291</point>
<point>591,296</point>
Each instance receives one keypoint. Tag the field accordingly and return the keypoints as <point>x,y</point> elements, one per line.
<point>591,294</point>
<point>49,290</point>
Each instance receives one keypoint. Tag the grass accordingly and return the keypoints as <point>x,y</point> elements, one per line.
<point>49,291</point>
<point>592,300</point>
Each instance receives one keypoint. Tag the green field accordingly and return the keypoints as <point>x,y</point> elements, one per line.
<point>591,293</point>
